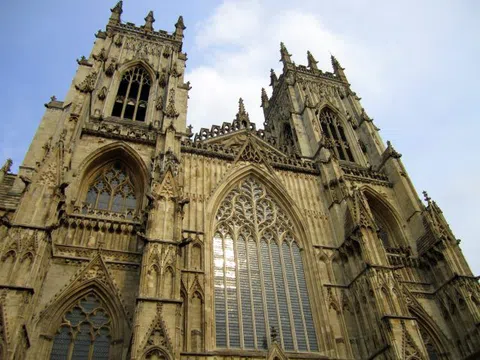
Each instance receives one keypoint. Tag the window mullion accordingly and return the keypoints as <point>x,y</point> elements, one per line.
<point>225,294</point>
<point>239,295</point>
<point>300,299</point>
<point>254,323</point>
<point>125,100</point>
<point>72,344</point>
<point>279,319</point>
<point>287,295</point>
<point>331,137</point>
<point>262,278</point>
<point>138,98</point>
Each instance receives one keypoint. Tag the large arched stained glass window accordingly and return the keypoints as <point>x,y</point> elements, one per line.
<point>84,333</point>
<point>112,190</point>
<point>335,134</point>
<point>260,285</point>
<point>132,96</point>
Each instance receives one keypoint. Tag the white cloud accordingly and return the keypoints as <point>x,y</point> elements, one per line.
<point>242,40</point>
<point>402,59</point>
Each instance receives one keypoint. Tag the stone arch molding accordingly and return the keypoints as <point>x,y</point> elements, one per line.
<point>425,321</point>
<point>273,186</point>
<point>99,158</point>
<point>395,220</point>
<point>93,278</point>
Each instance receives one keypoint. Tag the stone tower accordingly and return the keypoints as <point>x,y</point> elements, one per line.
<point>126,236</point>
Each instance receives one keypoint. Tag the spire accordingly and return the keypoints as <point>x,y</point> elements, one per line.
<point>264,99</point>
<point>312,63</point>
<point>338,70</point>
<point>116,13</point>
<point>285,55</point>
<point>179,28</point>
<point>149,20</point>
<point>242,115</point>
<point>273,78</point>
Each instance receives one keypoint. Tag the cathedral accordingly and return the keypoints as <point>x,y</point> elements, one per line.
<point>125,235</point>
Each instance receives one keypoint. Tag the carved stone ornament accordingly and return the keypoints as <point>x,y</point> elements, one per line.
<point>6,167</point>
<point>175,72</point>
<point>102,94</point>
<point>110,70</point>
<point>162,81</point>
<point>101,34</point>
<point>101,56</point>
<point>159,103</point>
<point>167,52</point>
<point>83,61</point>
<point>171,111</point>
<point>88,84</point>
<point>118,40</point>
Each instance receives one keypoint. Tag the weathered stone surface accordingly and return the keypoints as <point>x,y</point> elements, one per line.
<point>117,204</point>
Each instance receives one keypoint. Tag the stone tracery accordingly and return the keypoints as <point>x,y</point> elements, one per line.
<point>259,278</point>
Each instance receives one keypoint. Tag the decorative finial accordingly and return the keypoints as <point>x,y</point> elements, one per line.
<point>7,166</point>
<point>284,54</point>
<point>241,106</point>
<point>428,199</point>
<point>53,98</point>
<point>337,69</point>
<point>273,78</point>
<point>242,115</point>
<point>179,28</point>
<point>149,20</point>
<point>312,63</point>
<point>264,99</point>
<point>392,152</point>
<point>180,24</point>
<point>189,131</point>
<point>116,12</point>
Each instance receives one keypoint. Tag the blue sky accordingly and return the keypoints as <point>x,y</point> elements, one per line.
<point>414,63</point>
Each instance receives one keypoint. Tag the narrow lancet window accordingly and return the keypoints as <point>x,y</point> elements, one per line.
<point>260,285</point>
<point>132,96</point>
<point>333,130</point>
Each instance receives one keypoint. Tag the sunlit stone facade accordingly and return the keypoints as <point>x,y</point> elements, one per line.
<point>124,235</point>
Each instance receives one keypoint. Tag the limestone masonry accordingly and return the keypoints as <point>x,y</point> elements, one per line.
<point>126,236</point>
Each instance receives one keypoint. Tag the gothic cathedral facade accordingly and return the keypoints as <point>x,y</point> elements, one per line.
<point>124,235</point>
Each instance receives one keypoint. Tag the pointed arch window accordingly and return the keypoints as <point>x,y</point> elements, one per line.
<point>84,332</point>
<point>333,130</point>
<point>112,190</point>
<point>260,285</point>
<point>132,96</point>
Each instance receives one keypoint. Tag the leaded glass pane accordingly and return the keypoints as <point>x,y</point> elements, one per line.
<point>81,344</point>
<point>75,316</point>
<point>256,281</point>
<point>61,344</point>
<point>269,286</point>
<point>245,295</point>
<point>99,318</point>
<point>101,346</point>
<point>80,331</point>
<point>232,298</point>
<point>312,339</point>
<point>282,298</point>
<point>256,285</point>
<point>294,298</point>
<point>220,314</point>
<point>112,190</point>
